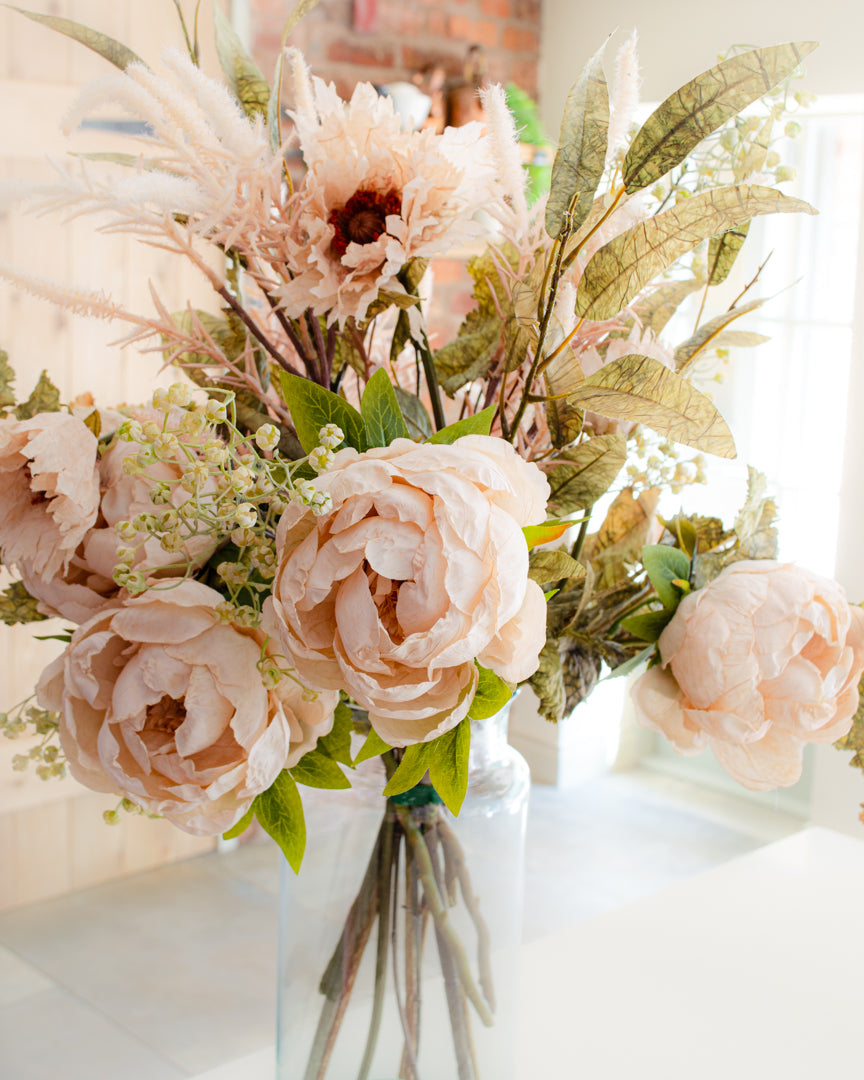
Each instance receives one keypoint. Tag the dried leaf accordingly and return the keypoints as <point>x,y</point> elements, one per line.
<point>113,51</point>
<point>703,105</point>
<point>581,155</point>
<point>18,606</point>
<point>723,251</point>
<point>547,682</point>
<point>622,268</point>
<point>7,377</point>
<point>243,75</point>
<point>546,567</point>
<point>617,544</point>
<point>854,739</point>
<point>657,308</point>
<point>641,389</point>
<point>582,474</point>
<point>581,670</point>
<point>300,10</point>
<point>709,333</point>
<point>44,398</point>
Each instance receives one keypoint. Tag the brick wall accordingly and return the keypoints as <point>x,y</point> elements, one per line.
<point>348,41</point>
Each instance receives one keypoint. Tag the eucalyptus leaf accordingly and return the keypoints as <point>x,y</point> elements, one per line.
<point>243,75</point>
<point>113,51</point>
<point>279,809</point>
<point>312,406</point>
<point>448,768</point>
<point>619,271</point>
<point>664,565</point>
<point>478,424</point>
<point>318,770</point>
<point>583,473</point>
<point>380,410</point>
<point>703,105</point>
<point>641,389</point>
<point>548,566</point>
<point>581,156</point>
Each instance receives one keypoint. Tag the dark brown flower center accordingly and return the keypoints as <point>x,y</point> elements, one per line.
<point>166,715</point>
<point>363,218</point>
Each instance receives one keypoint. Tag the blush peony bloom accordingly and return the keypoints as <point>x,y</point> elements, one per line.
<point>49,491</point>
<point>374,197</point>
<point>420,568</point>
<point>87,585</point>
<point>163,704</point>
<point>767,657</point>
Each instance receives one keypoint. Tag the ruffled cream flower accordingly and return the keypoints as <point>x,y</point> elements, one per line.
<point>767,657</point>
<point>374,197</point>
<point>419,569</point>
<point>165,705</point>
<point>49,491</point>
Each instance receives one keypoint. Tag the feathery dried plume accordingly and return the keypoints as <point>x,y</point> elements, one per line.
<point>79,301</point>
<point>504,142</point>
<point>624,101</point>
<point>304,111</point>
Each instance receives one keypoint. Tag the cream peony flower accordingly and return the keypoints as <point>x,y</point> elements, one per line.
<point>374,197</point>
<point>163,704</point>
<point>49,491</point>
<point>767,657</point>
<point>420,568</point>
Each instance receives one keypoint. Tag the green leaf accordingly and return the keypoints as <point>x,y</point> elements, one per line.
<point>723,251</point>
<point>243,75</point>
<point>415,414</point>
<point>411,769</point>
<point>240,826</point>
<point>491,695</point>
<point>93,422</point>
<point>44,398</point>
<point>7,377</point>
<point>632,664</point>
<point>641,389</point>
<point>581,155</point>
<point>478,424</point>
<point>448,769</point>
<point>312,406</point>
<point>545,533</point>
<point>703,105</point>
<point>649,625</point>
<point>663,565</point>
<point>280,811</point>
<point>548,566</point>
<point>380,410</point>
<point>581,475</point>
<point>619,271</point>
<point>373,747</point>
<point>336,744</point>
<point>113,51</point>
<point>468,356</point>
<point>18,606</point>
<point>320,771</point>
<point>709,333</point>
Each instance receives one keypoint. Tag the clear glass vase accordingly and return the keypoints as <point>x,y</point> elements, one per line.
<point>399,939</point>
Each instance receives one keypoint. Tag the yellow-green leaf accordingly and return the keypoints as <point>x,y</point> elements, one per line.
<point>710,333</point>
<point>622,268</point>
<point>18,606</point>
<point>581,155</point>
<point>657,308</point>
<point>579,476</point>
<point>243,75</point>
<point>44,398</point>
<point>703,105</point>
<point>7,377</point>
<point>641,389</point>
<point>113,51</point>
<point>545,533</point>
<point>723,251</point>
<point>280,812</point>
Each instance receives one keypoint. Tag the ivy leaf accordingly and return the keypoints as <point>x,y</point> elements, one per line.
<point>7,377</point>
<point>703,105</point>
<point>641,389</point>
<point>581,155</point>
<point>547,566</point>
<point>18,606</point>
<point>336,744</point>
<point>448,767</point>
<point>380,410</point>
<point>619,271</point>
<point>312,406</point>
<point>373,747</point>
<point>240,826</point>
<point>243,75</point>
<point>478,424</point>
<point>491,695</point>
<point>414,413</point>
<point>579,476</point>
<point>318,770</point>
<point>280,811</point>
<point>44,398</point>
<point>710,332</point>
<point>649,625</point>
<point>112,51</point>
<point>665,565</point>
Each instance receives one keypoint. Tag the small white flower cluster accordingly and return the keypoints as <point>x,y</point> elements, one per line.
<point>656,464</point>
<point>27,719</point>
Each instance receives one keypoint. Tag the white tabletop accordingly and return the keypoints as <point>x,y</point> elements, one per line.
<point>752,971</point>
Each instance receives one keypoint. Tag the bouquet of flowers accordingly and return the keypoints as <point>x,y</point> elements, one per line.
<point>331,542</point>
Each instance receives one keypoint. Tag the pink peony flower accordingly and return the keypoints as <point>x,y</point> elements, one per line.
<point>49,491</point>
<point>165,705</point>
<point>380,198</point>
<point>420,568</point>
<point>767,657</point>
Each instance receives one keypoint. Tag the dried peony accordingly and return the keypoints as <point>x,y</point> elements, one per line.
<point>162,703</point>
<point>385,197</point>
<point>49,492</point>
<point>765,658</point>
<point>419,568</point>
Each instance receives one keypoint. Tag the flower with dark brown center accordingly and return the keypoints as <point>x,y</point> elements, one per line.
<point>363,218</point>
